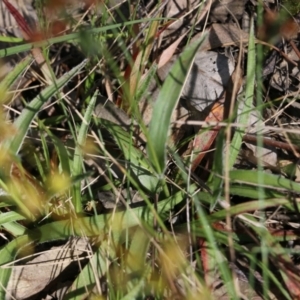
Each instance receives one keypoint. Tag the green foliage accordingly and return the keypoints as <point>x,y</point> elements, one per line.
<point>171,90</point>
<point>139,249</point>
<point>292,5</point>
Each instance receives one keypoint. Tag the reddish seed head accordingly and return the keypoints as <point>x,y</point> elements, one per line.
<point>270,28</point>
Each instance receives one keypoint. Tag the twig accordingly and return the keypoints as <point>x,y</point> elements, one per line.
<point>248,138</point>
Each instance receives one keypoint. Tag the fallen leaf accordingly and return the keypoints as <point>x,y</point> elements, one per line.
<point>168,53</point>
<point>204,140</point>
<point>34,276</point>
<point>221,11</point>
<point>222,35</point>
<point>210,73</point>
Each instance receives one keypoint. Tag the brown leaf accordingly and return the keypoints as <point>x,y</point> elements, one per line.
<point>37,275</point>
<point>222,35</point>
<point>168,53</point>
<point>204,140</point>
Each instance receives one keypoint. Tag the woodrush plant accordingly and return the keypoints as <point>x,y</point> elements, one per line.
<point>138,251</point>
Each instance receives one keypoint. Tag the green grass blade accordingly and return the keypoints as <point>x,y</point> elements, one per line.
<point>23,122</point>
<point>87,226</point>
<point>97,266</point>
<point>252,191</point>
<point>8,221</point>
<point>62,154</point>
<point>278,255</point>
<point>46,153</point>
<point>14,228</point>
<point>269,180</point>
<point>210,236</point>
<point>136,262</point>
<point>10,216</point>
<point>166,103</point>
<point>7,254</point>
<point>60,148</point>
<point>137,252</point>
<point>11,39</point>
<point>11,77</point>
<point>135,291</point>
<point>136,160</point>
<point>144,85</point>
<point>78,155</point>
<point>216,179</point>
<point>247,207</point>
<point>246,103</point>
<point>69,37</point>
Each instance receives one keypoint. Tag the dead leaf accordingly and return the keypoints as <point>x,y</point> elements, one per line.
<point>34,276</point>
<point>177,9</point>
<point>222,35</point>
<point>222,10</point>
<point>168,53</point>
<point>204,140</point>
<point>268,155</point>
<point>210,73</point>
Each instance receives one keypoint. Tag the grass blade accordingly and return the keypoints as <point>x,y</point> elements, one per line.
<point>246,103</point>
<point>69,37</point>
<point>166,103</point>
<point>86,280</point>
<point>87,226</point>
<point>14,228</point>
<point>136,160</point>
<point>10,216</point>
<point>11,77</point>
<point>269,180</point>
<point>23,122</point>
<point>78,155</point>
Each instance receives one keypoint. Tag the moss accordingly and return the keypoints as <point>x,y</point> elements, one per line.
<point>292,5</point>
